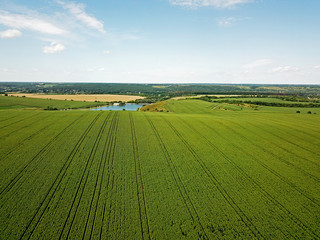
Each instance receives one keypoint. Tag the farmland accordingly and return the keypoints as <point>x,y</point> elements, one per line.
<point>82,97</point>
<point>194,172</point>
<point>11,102</point>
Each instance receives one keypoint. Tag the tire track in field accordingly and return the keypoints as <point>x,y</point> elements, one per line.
<point>110,206</point>
<point>228,159</point>
<point>28,117</point>
<point>111,188</point>
<point>61,192</point>
<point>179,183</point>
<point>8,153</point>
<point>110,165</point>
<point>83,181</point>
<point>137,185</point>
<point>109,145</point>
<point>262,190</point>
<point>65,186</point>
<point>302,192</point>
<point>9,118</point>
<point>309,134</point>
<point>110,183</point>
<point>138,174</point>
<point>214,181</point>
<point>280,122</point>
<point>18,129</point>
<point>288,141</point>
<point>284,149</point>
<point>271,153</point>
<point>48,197</point>
<point>44,149</point>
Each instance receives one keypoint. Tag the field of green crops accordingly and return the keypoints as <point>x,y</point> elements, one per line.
<point>11,102</point>
<point>195,172</point>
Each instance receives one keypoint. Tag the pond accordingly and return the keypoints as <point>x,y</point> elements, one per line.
<point>127,107</point>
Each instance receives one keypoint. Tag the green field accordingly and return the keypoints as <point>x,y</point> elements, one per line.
<point>195,172</point>
<point>10,102</point>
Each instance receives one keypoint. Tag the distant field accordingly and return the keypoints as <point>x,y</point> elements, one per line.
<point>196,172</point>
<point>197,96</point>
<point>11,102</point>
<point>83,97</point>
<point>269,100</point>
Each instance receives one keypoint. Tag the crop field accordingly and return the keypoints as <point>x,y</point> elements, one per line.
<point>82,97</point>
<point>194,172</point>
<point>11,102</point>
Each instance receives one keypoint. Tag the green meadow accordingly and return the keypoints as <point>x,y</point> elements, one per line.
<point>202,170</point>
<point>11,102</point>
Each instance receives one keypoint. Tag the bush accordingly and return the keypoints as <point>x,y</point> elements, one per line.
<point>309,112</point>
<point>51,108</point>
<point>297,111</point>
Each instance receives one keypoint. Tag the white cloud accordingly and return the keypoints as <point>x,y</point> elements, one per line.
<point>10,33</point>
<point>316,67</point>
<point>78,11</point>
<point>101,69</point>
<point>20,21</point>
<point>5,69</point>
<point>226,22</point>
<point>106,52</point>
<point>54,48</point>
<point>208,3</point>
<point>285,69</point>
<point>258,63</point>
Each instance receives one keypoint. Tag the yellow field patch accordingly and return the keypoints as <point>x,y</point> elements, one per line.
<point>155,107</point>
<point>82,97</point>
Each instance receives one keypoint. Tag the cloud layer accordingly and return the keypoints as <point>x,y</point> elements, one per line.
<point>20,21</point>
<point>10,33</point>
<point>54,48</point>
<point>285,69</point>
<point>78,11</point>
<point>208,3</point>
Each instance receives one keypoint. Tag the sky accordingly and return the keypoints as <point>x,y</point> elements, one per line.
<point>160,41</point>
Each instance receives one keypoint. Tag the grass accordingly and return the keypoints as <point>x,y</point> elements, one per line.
<point>11,102</point>
<point>156,107</point>
<point>268,100</point>
<point>196,172</point>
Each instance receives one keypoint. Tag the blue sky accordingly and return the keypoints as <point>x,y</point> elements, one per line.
<point>161,41</point>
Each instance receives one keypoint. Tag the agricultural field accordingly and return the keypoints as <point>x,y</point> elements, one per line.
<point>194,172</point>
<point>82,97</point>
<point>199,96</point>
<point>11,102</point>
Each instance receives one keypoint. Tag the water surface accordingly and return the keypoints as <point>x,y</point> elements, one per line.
<point>127,107</point>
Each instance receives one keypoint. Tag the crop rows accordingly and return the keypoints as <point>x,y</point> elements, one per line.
<point>257,185</point>
<point>122,175</point>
